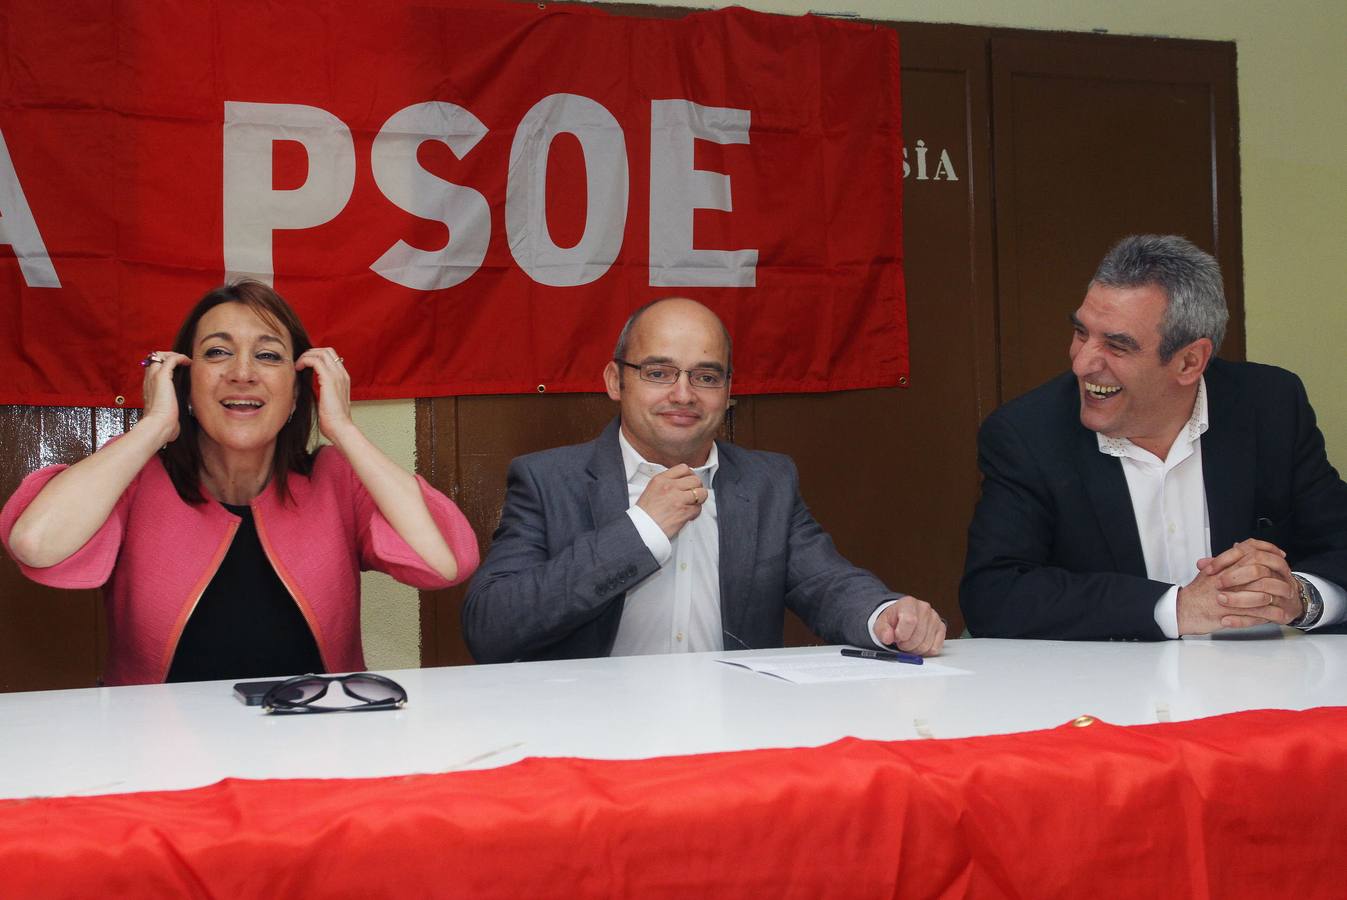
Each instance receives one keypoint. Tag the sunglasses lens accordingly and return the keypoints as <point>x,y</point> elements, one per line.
<point>373,690</point>
<point>296,692</point>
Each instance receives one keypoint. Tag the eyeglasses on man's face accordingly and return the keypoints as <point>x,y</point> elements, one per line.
<point>666,374</point>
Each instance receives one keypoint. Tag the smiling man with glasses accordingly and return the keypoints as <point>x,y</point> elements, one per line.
<point>656,538</point>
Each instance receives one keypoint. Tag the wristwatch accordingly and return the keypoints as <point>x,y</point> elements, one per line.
<point>1313,603</point>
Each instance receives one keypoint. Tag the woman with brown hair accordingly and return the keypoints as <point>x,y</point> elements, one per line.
<point>225,546</point>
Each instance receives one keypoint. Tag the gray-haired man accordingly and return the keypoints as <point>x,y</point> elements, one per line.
<point>1154,491</point>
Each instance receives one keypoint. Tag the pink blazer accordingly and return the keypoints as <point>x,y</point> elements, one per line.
<point>155,555</point>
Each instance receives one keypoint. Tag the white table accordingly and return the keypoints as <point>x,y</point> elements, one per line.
<point>115,740</point>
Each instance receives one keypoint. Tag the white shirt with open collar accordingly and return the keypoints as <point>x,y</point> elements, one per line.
<point>676,609</point>
<point>1169,500</point>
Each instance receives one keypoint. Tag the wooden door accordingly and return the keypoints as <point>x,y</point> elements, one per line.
<point>50,638</point>
<point>1097,138</point>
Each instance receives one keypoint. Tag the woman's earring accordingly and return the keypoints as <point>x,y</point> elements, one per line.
<point>190,411</point>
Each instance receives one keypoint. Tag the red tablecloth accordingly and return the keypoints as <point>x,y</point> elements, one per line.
<point>1252,804</point>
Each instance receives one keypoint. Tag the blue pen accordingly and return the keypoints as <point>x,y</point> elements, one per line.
<point>886,655</point>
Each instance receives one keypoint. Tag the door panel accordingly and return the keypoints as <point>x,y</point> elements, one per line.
<point>1096,139</point>
<point>49,638</point>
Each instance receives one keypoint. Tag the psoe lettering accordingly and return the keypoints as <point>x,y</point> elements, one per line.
<point>254,209</point>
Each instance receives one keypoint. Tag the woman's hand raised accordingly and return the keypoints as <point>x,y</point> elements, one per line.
<point>334,391</point>
<point>161,403</point>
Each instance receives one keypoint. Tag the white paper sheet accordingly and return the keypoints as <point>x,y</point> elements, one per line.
<point>823,668</point>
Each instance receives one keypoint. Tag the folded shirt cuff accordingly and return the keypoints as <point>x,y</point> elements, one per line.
<point>1167,613</point>
<point>651,534</point>
<point>874,617</point>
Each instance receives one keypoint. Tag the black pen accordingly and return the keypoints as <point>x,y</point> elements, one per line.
<point>886,655</point>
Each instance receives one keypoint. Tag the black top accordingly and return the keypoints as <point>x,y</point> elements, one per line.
<point>246,624</point>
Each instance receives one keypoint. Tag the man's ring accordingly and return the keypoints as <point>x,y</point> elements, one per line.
<point>150,359</point>
<point>339,359</point>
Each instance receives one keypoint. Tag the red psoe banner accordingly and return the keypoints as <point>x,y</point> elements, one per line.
<point>462,198</point>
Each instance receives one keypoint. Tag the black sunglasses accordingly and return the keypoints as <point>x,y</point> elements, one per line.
<point>298,694</point>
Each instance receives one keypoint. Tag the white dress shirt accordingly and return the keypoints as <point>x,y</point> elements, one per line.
<point>676,609</point>
<point>1169,500</point>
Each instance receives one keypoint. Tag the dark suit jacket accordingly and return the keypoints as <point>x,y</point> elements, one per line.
<point>1054,551</point>
<point>553,584</point>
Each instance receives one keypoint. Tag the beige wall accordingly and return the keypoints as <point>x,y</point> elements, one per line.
<point>390,613</point>
<point>1293,131</point>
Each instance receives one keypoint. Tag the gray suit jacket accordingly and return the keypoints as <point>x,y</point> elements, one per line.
<point>565,554</point>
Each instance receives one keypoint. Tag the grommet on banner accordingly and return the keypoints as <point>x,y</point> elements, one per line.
<point>1083,721</point>
<point>542,389</point>
<point>902,380</point>
<point>119,400</point>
